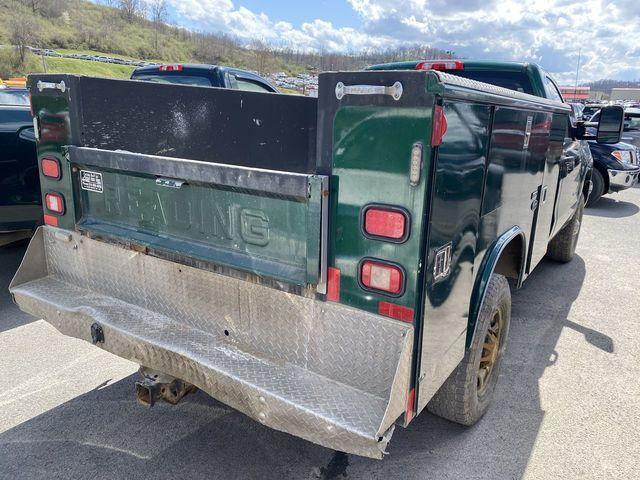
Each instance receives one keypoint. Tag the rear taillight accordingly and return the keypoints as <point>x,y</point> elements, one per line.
<point>51,168</point>
<point>382,277</point>
<point>441,65</point>
<point>439,126</point>
<point>171,68</point>
<point>386,223</point>
<point>54,203</point>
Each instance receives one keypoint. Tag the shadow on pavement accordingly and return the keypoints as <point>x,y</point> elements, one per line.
<point>612,208</point>
<point>106,434</point>
<point>10,315</point>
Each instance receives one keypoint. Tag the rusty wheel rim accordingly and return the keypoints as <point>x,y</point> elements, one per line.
<point>490,352</point>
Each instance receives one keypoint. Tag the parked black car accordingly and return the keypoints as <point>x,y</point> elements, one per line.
<point>205,76</point>
<point>631,132</point>
<point>615,168</point>
<point>20,201</point>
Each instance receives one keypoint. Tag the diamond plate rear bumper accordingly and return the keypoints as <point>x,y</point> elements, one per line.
<point>327,373</point>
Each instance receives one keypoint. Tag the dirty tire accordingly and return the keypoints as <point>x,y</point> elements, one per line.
<point>460,399</point>
<point>562,247</point>
<point>598,187</point>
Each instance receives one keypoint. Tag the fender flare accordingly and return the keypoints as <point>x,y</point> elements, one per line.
<point>487,267</point>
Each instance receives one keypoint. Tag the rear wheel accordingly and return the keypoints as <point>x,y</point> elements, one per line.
<point>562,247</point>
<point>467,393</point>
<point>597,180</point>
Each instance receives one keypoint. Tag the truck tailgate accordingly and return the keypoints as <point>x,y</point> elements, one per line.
<point>261,221</point>
<point>290,362</point>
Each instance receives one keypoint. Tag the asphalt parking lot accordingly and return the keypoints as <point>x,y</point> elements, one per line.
<point>567,402</point>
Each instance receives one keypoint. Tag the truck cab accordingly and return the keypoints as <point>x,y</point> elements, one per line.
<point>204,75</point>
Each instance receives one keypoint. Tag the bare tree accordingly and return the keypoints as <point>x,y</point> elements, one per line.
<point>46,8</point>
<point>130,9</point>
<point>24,32</point>
<point>158,13</point>
<point>263,53</point>
<point>34,5</point>
<point>52,8</point>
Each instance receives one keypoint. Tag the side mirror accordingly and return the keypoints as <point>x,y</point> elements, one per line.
<point>610,124</point>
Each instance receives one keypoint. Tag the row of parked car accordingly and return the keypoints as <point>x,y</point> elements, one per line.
<point>616,167</point>
<point>85,56</point>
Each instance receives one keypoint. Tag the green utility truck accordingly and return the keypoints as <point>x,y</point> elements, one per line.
<point>328,266</point>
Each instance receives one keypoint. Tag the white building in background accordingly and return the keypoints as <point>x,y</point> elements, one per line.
<point>625,94</point>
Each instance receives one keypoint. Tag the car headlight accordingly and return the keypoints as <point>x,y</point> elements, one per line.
<point>622,155</point>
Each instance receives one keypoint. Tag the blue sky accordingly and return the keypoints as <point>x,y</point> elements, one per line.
<point>549,32</point>
<point>339,13</point>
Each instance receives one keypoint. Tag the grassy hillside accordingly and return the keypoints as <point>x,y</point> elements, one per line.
<point>86,67</point>
<point>83,26</point>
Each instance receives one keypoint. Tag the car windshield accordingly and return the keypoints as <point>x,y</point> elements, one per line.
<point>14,97</point>
<point>632,121</point>
<point>517,81</point>
<point>179,79</point>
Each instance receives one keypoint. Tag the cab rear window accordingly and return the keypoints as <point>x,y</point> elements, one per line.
<point>14,97</point>
<point>517,81</point>
<point>172,78</point>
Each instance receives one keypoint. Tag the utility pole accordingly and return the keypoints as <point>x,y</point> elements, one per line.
<point>575,88</point>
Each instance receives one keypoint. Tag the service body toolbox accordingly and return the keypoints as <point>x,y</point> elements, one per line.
<point>322,265</point>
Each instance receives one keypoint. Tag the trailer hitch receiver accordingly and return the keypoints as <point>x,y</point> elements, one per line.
<point>156,385</point>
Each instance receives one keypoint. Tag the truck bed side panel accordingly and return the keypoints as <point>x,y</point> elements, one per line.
<point>453,231</point>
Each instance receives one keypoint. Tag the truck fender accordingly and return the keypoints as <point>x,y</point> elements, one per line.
<point>499,250</point>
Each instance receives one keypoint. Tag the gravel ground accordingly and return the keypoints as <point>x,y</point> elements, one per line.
<point>566,406</point>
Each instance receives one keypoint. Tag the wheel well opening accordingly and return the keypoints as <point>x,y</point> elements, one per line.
<point>510,261</point>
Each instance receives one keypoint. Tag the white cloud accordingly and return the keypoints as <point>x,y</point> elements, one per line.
<point>549,32</point>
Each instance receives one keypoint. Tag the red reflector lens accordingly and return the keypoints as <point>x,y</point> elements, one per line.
<point>333,284</point>
<point>51,168</point>
<point>170,68</point>
<point>382,276</point>
<point>54,203</point>
<point>395,311</point>
<point>410,403</point>
<point>385,223</point>
<point>439,126</point>
<point>441,65</point>
<point>51,220</point>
